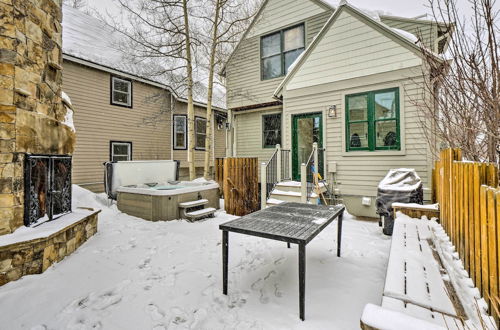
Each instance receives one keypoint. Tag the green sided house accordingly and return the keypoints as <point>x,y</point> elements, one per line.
<point>307,71</point>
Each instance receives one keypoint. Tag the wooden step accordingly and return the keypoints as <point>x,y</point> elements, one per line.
<point>200,214</point>
<point>295,186</point>
<point>186,205</point>
<point>274,201</point>
<point>292,196</point>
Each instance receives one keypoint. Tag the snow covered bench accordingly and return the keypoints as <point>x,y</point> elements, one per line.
<point>416,292</point>
<point>416,210</point>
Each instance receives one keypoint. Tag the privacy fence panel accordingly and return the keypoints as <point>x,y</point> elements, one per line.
<point>468,194</point>
<point>240,185</point>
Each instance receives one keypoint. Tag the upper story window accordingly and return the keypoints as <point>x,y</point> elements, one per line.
<point>372,121</point>
<point>280,49</point>
<point>180,132</point>
<point>200,130</point>
<point>120,151</point>
<point>271,130</point>
<point>121,92</point>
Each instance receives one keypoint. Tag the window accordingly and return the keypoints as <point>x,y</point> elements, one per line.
<point>279,50</point>
<point>121,92</point>
<point>372,121</point>
<point>180,132</point>
<point>271,130</point>
<point>200,131</point>
<point>120,151</point>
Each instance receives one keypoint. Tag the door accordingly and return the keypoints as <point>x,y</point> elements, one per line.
<point>306,129</point>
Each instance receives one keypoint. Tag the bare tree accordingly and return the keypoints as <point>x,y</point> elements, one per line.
<point>158,36</point>
<point>77,4</point>
<point>463,82</point>
<point>228,20</point>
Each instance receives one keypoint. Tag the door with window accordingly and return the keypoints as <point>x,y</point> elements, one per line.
<point>306,129</point>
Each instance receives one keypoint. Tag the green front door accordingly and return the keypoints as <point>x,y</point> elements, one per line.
<point>306,129</point>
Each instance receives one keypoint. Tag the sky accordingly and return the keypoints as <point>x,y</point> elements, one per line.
<point>405,8</point>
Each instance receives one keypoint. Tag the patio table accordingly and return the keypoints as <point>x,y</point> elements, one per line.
<point>295,223</point>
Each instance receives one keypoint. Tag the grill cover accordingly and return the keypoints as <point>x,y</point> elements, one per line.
<point>402,185</point>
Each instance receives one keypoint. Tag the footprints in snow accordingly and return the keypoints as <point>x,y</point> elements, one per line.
<point>263,287</point>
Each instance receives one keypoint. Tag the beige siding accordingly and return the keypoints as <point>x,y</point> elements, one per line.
<point>199,155</point>
<point>148,124</point>
<point>248,141</point>
<point>359,173</point>
<point>279,13</point>
<point>244,84</point>
<point>349,49</point>
<point>97,122</point>
<point>426,30</point>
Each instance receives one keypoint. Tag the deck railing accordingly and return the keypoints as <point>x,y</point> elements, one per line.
<point>286,173</point>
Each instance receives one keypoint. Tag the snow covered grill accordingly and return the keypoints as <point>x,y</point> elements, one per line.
<point>47,181</point>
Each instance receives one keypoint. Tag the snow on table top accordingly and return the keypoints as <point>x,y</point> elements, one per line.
<point>46,229</point>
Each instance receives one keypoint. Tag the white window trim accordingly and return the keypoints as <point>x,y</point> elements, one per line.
<point>129,149</point>
<point>196,119</point>
<point>175,132</point>
<point>128,93</point>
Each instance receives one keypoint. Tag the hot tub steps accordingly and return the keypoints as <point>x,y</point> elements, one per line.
<point>194,210</point>
<point>200,214</point>
<point>199,202</point>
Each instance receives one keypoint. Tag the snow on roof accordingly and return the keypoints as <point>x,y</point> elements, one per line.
<point>87,38</point>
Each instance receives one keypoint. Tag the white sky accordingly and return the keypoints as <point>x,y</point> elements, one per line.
<point>406,8</point>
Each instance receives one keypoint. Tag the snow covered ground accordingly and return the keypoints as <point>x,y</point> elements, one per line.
<point>135,274</point>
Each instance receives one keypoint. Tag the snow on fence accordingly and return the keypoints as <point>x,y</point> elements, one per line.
<point>468,194</point>
<point>240,184</point>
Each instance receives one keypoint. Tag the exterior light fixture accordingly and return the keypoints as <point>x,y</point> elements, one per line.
<point>332,111</point>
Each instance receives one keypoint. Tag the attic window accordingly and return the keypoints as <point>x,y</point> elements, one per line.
<point>121,92</point>
<point>280,49</point>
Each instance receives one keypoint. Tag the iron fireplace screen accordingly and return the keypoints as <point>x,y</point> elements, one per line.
<point>47,188</point>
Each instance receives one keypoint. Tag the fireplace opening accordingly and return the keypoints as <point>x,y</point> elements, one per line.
<point>47,180</point>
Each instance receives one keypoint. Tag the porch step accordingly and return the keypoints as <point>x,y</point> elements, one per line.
<point>200,214</point>
<point>295,186</point>
<point>292,196</point>
<point>274,201</point>
<point>199,202</point>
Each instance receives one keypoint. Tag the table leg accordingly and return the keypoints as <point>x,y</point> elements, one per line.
<point>225,250</point>
<point>288,244</point>
<point>302,280</point>
<point>339,233</point>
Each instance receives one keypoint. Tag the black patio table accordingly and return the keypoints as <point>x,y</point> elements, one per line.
<point>295,223</point>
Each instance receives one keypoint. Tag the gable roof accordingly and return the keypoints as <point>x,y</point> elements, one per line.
<point>89,41</point>
<point>404,38</point>
<point>254,20</point>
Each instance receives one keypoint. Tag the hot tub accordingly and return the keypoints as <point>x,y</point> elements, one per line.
<point>159,201</point>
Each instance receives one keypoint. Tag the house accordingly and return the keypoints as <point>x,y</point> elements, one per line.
<point>309,71</point>
<point>121,113</point>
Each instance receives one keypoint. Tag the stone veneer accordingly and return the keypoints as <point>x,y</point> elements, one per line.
<point>34,256</point>
<point>31,109</point>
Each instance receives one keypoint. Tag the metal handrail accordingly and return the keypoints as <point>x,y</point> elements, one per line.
<point>271,173</point>
<point>310,175</point>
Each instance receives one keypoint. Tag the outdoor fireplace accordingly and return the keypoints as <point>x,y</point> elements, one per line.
<point>47,180</point>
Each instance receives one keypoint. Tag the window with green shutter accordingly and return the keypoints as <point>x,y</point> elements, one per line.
<point>372,121</point>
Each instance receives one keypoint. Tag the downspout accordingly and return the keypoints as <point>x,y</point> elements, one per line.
<point>171,126</point>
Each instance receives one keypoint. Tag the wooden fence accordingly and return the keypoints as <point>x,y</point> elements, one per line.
<point>239,179</point>
<point>469,200</point>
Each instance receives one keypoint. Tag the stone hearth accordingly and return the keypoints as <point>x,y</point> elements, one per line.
<point>30,251</point>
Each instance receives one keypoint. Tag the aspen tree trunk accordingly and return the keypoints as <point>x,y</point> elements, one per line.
<point>190,109</point>
<point>208,141</point>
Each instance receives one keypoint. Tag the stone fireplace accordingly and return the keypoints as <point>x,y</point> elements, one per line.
<point>36,142</point>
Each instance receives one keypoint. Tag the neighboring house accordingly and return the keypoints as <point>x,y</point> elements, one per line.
<point>119,114</point>
<point>349,80</point>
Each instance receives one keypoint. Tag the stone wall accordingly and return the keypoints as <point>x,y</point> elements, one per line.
<point>35,256</point>
<point>31,111</point>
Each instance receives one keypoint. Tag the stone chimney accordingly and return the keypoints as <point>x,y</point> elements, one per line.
<point>32,115</point>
